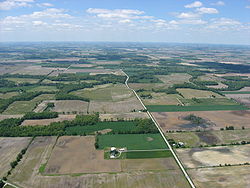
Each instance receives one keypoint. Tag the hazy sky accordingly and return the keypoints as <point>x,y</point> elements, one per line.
<point>206,21</point>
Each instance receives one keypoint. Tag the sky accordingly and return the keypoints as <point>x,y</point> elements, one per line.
<point>180,21</point>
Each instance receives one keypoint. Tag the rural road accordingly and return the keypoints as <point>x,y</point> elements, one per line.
<point>162,134</point>
<point>7,183</point>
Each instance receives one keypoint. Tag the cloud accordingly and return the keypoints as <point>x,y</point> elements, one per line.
<point>193,22</point>
<point>10,4</point>
<point>204,10</point>
<point>118,13</point>
<point>44,16</point>
<point>49,13</point>
<point>45,5</point>
<point>194,4</point>
<point>38,23</point>
<point>125,21</point>
<point>248,6</point>
<point>218,3</point>
<point>187,15</point>
<point>189,22</point>
<point>224,23</point>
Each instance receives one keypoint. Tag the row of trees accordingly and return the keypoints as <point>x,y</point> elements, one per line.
<point>11,128</point>
<point>40,115</point>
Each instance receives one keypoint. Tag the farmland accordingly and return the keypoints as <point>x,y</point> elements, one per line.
<point>70,106</point>
<point>113,92</point>
<point>82,105</point>
<point>146,171</point>
<point>35,122</point>
<point>10,147</point>
<point>133,141</point>
<point>195,139</point>
<point>125,106</point>
<point>21,107</point>
<point>172,108</point>
<point>221,177</point>
<point>146,154</point>
<point>214,156</point>
<point>191,93</point>
<point>174,120</point>
<point>37,154</point>
<point>62,161</point>
<point>125,116</point>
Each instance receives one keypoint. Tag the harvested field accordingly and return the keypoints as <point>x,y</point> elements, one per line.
<point>214,156</point>
<point>38,152</point>
<point>146,86</point>
<point>23,80</point>
<point>125,116</point>
<point>34,122</point>
<point>219,86</point>
<point>85,158</point>
<point>34,70</point>
<point>176,78</point>
<point>223,177</point>
<point>232,106</point>
<point>245,89</point>
<point>116,72</point>
<point>194,93</point>
<point>195,139</point>
<point>9,149</point>
<point>233,74</point>
<point>189,64</point>
<point>149,164</point>
<point>217,119</point>
<point>81,65</point>
<point>138,179</point>
<point>106,92</point>
<point>107,62</point>
<point>241,98</point>
<point>125,106</point>
<point>70,106</point>
<point>21,107</point>
<point>2,117</point>
<point>90,70</point>
<point>6,69</point>
<point>210,77</point>
<point>162,99</point>
<point>8,95</point>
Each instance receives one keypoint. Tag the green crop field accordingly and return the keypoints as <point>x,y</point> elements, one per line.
<point>115,126</point>
<point>132,141</point>
<point>173,108</point>
<point>148,154</point>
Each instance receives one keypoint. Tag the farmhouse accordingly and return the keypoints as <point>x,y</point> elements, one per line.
<point>113,152</point>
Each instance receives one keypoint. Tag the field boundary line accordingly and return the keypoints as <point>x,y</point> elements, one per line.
<point>8,183</point>
<point>135,150</point>
<point>162,134</point>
